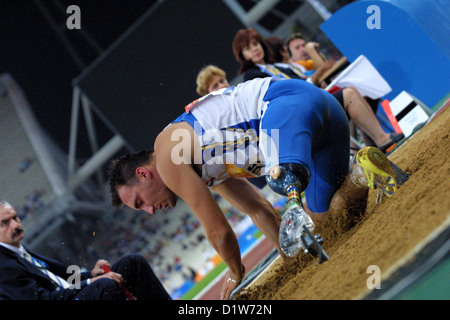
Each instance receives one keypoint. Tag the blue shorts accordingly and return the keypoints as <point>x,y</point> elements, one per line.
<point>313,131</point>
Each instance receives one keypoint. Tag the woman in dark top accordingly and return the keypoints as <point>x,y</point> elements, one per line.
<point>255,56</point>
<point>263,58</point>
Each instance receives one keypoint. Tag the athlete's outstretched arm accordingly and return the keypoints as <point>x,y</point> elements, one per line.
<point>246,198</point>
<point>186,183</point>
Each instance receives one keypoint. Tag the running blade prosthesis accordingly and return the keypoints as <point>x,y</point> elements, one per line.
<point>295,235</point>
<point>380,172</point>
<point>296,225</point>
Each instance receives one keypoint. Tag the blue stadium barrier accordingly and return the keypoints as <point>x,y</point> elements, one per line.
<point>405,40</point>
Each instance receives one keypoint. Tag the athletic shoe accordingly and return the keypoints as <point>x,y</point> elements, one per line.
<point>380,172</point>
<point>388,147</point>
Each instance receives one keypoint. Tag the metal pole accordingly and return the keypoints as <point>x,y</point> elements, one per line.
<point>91,130</point>
<point>35,134</point>
<point>96,161</point>
<point>259,10</point>
<point>73,130</point>
<point>321,10</point>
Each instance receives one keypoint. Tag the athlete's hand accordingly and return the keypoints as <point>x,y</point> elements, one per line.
<point>230,283</point>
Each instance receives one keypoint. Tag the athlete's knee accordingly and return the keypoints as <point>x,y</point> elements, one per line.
<point>286,174</point>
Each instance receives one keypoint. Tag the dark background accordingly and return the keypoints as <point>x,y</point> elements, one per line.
<point>139,82</point>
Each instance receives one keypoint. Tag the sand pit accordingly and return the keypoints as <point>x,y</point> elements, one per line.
<point>388,234</point>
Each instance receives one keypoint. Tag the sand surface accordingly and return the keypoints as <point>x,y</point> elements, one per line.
<point>385,235</point>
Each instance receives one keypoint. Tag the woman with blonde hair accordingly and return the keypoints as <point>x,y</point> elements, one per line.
<point>211,78</point>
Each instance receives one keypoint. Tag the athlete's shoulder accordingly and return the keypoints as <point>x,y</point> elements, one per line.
<point>220,92</point>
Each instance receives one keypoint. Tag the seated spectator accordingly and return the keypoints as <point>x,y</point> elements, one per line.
<point>26,275</point>
<point>211,78</point>
<point>254,55</point>
<point>283,61</point>
<point>305,56</point>
<point>357,108</point>
<point>313,69</point>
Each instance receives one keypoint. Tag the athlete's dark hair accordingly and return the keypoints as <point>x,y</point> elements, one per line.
<point>122,172</point>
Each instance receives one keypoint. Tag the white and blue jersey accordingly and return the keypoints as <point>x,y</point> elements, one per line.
<point>246,130</point>
<point>227,123</point>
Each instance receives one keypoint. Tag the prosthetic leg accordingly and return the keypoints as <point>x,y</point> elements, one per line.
<point>296,225</point>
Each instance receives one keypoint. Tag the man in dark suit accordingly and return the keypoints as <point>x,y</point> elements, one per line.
<point>26,275</point>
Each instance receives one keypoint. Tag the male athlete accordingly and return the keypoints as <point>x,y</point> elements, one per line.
<point>245,131</point>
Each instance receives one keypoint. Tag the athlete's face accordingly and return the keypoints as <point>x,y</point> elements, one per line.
<point>217,82</point>
<point>297,48</point>
<point>149,193</point>
<point>254,52</point>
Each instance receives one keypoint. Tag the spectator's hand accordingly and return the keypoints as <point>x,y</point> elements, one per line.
<point>97,270</point>
<point>311,46</point>
<point>328,64</point>
<point>110,275</point>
